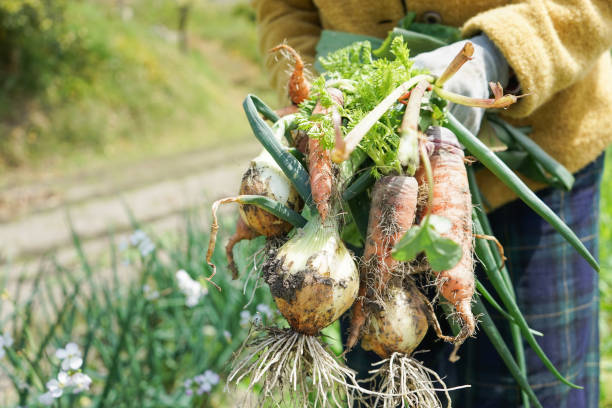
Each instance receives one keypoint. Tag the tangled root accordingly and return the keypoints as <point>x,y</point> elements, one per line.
<point>293,369</point>
<point>405,382</point>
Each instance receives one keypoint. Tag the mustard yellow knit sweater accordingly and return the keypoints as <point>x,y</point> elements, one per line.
<point>557,49</point>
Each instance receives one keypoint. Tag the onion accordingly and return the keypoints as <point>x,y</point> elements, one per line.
<point>264,177</point>
<point>393,333</point>
<point>313,277</point>
<point>401,325</point>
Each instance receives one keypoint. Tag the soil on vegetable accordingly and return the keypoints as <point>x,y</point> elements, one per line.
<point>307,311</point>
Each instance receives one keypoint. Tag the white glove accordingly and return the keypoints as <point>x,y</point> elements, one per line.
<point>487,65</point>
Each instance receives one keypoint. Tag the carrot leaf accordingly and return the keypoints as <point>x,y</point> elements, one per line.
<point>442,253</point>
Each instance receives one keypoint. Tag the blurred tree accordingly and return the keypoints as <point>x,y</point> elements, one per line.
<point>184,7</point>
<point>36,43</point>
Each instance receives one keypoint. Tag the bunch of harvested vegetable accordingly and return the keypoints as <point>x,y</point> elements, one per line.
<point>365,189</point>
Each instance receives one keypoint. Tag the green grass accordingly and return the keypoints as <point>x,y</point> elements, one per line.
<point>605,284</point>
<point>137,94</point>
<point>138,350</point>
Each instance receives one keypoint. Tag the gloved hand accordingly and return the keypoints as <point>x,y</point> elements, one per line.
<point>487,65</point>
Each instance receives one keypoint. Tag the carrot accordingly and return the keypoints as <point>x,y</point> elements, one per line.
<point>319,161</point>
<point>452,200</point>
<point>299,87</point>
<point>242,232</point>
<point>321,176</point>
<point>394,201</point>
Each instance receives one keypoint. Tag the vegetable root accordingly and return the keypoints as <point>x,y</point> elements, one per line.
<point>392,213</point>
<point>393,333</point>
<point>404,382</point>
<point>452,200</point>
<point>294,369</point>
<point>299,87</point>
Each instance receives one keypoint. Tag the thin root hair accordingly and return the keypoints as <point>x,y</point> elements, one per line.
<point>405,382</point>
<point>294,369</point>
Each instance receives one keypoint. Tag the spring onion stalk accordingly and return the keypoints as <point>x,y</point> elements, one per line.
<point>497,167</point>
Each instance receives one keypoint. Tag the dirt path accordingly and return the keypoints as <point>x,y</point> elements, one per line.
<point>95,203</point>
<point>35,208</point>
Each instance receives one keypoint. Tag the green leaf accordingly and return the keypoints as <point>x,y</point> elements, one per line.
<point>331,41</point>
<point>442,253</point>
<point>292,168</point>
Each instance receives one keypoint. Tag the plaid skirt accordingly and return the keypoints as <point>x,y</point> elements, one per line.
<point>556,290</point>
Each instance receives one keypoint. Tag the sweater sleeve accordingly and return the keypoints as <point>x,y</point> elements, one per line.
<point>295,22</point>
<point>550,44</point>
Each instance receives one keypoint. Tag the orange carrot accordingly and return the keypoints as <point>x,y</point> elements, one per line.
<point>299,87</point>
<point>452,200</point>
<point>321,176</point>
<point>394,201</point>
<point>242,232</point>
<point>319,162</point>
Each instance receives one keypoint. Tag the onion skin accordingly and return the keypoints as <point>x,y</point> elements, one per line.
<point>313,277</point>
<point>264,177</point>
<point>401,325</point>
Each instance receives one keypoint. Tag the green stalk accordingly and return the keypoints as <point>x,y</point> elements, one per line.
<point>273,207</point>
<point>486,103</point>
<point>292,168</point>
<point>264,109</point>
<point>353,138</point>
<point>483,251</point>
<point>487,295</point>
<point>544,159</point>
<point>408,149</point>
<point>515,332</point>
<point>497,167</point>
<point>365,180</point>
<point>498,343</point>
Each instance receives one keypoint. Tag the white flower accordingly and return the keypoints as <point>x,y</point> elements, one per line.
<point>192,289</point>
<point>6,340</point>
<point>56,387</point>
<point>265,310</point>
<point>211,377</point>
<point>206,381</point>
<point>70,356</point>
<point>146,247</point>
<point>140,239</point>
<point>81,382</point>
<point>137,237</point>
<point>46,398</point>
<point>227,335</point>
<point>149,293</point>
<point>245,318</point>
<point>206,387</point>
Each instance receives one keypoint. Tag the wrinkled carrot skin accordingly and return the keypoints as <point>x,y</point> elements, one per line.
<point>299,87</point>
<point>242,232</point>
<point>321,176</point>
<point>394,202</point>
<point>320,164</point>
<point>452,200</point>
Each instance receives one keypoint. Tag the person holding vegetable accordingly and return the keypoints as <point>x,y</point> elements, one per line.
<point>557,56</point>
